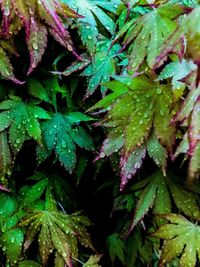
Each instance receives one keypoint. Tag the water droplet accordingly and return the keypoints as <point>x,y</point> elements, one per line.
<point>35,46</point>
<point>159,91</point>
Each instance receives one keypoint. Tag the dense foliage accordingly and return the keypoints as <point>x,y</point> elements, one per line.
<point>99,133</point>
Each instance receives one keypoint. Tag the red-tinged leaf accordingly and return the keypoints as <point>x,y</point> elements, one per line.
<point>6,69</point>
<point>37,42</point>
<point>130,165</point>
<point>137,108</point>
<point>189,116</point>
<point>48,10</point>
<point>22,10</point>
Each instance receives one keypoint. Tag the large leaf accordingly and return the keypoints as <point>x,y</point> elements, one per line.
<point>22,120</point>
<point>135,108</point>
<point>61,134</point>
<point>148,33</point>
<point>176,233</point>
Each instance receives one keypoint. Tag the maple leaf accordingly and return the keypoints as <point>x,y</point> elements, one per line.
<point>176,234</point>
<point>36,17</point>
<point>189,116</point>
<point>91,12</point>
<point>101,68</point>
<point>22,120</point>
<point>57,231</point>
<point>156,188</point>
<point>148,33</point>
<point>136,107</point>
<point>61,133</point>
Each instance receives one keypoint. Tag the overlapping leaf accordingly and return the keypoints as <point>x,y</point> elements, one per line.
<point>36,17</point>
<point>148,33</point>
<point>22,120</point>
<point>156,188</point>
<point>185,41</point>
<point>93,10</point>
<point>102,67</point>
<point>6,69</point>
<point>11,239</point>
<point>136,107</point>
<point>61,134</point>
<point>182,238</point>
<point>189,116</point>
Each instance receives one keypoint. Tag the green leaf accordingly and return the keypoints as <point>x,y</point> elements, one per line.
<point>189,116</point>
<point>36,89</point>
<point>8,206</point>
<point>93,261</point>
<point>57,231</point>
<point>176,233</point>
<point>116,248</point>
<point>156,188</point>
<point>33,193</point>
<point>138,108</point>
<point>6,69</point>
<point>23,126</point>
<point>147,34</point>
<point>28,263</point>
<point>157,152</point>
<point>92,10</point>
<point>61,135</point>
<point>11,242</point>
<point>5,155</point>
<point>102,67</point>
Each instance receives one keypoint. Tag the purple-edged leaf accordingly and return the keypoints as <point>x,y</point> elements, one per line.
<point>36,42</point>
<point>149,32</point>
<point>6,69</point>
<point>190,116</point>
<point>131,164</point>
<point>136,108</point>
